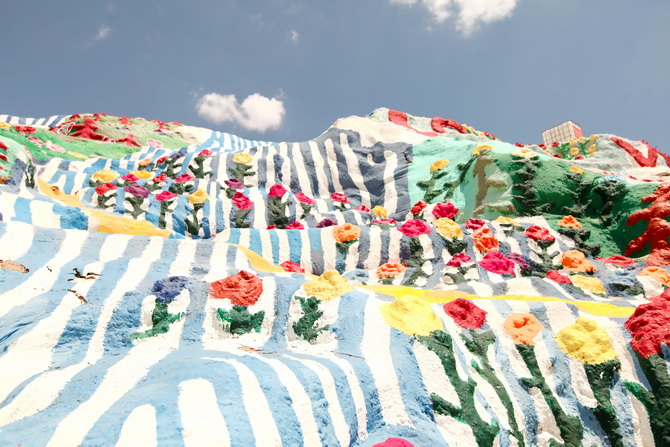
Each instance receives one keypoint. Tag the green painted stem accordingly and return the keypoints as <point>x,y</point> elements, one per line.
<point>161,320</point>
<point>239,321</point>
<point>600,378</point>
<point>305,327</point>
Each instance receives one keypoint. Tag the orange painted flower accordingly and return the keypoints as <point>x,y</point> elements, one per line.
<point>485,240</point>
<point>242,288</point>
<point>390,270</point>
<point>346,232</point>
<point>569,222</point>
<point>576,261</point>
<point>522,327</point>
<point>658,273</point>
<point>439,164</point>
<point>145,162</point>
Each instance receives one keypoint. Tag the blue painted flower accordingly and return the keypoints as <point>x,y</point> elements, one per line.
<point>167,289</point>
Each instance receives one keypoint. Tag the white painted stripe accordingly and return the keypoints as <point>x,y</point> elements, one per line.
<point>18,237</point>
<point>332,164</point>
<point>357,394</point>
<point>390,189</point>
<point>319,170</point>
<point>139,428</point>
<point>202,421</point>
<point>301,171</point>
<point>354,169</point>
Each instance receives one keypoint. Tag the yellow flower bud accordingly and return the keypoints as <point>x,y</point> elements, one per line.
<point>200,196</point>
<point>105,176</point>
<point>379,211</point>
<point>243,158</point>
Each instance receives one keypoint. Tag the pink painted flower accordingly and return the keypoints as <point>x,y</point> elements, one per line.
<point>362,209</point>
<point>394,442</point>
<point>327,222</point>
<point>620,260</point>
<point>277,191</point>
<point>234,183</point>
<point>165,196</point>
<point>292,267</point>
<point>465,313</point>
<point>443,209</point>
<point>418,207</point>
<point>105,187</point>
<point>137,191</point>
<point>557,277</point>
<point>459,259</point>
<point>241,201</point>
<point>474,224</point>
<point>496,262</point>
<point>414,227</point>
<point>339,197</point>
<point>384,221</point>
<point>302,198</point>
<point>205,152</point>
<point>184,178</point>
<point>129,178</point>
<point>295,226</point>
<point>271,227</point>
<point>519,260</point>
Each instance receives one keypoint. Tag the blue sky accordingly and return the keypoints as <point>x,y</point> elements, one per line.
<point>284,70</point>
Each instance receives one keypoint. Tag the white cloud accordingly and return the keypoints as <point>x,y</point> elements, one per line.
<point>294,36</point>
<point>256,112</point>
<point>103,32</point>
<point>470,14</point>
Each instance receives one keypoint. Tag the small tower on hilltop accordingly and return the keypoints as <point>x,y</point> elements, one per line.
<point>568,130</point>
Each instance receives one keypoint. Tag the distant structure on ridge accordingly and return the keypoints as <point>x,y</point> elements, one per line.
<point>568,130</point>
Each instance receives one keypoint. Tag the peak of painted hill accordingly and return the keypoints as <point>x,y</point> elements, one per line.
<point>395,281</point>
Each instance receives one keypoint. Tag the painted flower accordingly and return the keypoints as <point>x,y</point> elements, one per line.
<point>569,222</point>
<point>167,289</point>
<point>502,220</point>
<point>465,313</point>
<point>142,174</point>
<point>302,198</point>
<point>411,315</point>
<point>443,209</point>
<point>650,325</point>
<point>339,197</point>
<point>161,160</point>
<point>243,158</point>
<point>557,277</point>
<point>25,129</point>
<point>295,226</point>
<point>539,234</point>
<point>362,209</point>
<point>524,152</point>
<point>576,260</point>
<point>379,211</point>
<point>576,169</point>
<point>165,196</point>
<point>277,191</point>
<point>383,222</point>
<point>418,207</point>
<point>620,260</point>
<point>242,288</point>
<point>327,222</point>
<point>459,259</point>
<point>241,201</point>
<point>591,149</point>
<point>474,224</point>
<point>439,164</point>
<point>234,183</point>
<point>346,233</point>
<point>159,178</point>
<point>586,342</point>
<point>105,176</point>
<point>327,286</point>
<point>519,260</point>
<point>394,442</point>
<point>496,262</point>
<point>588,283</point>
<point>482,149</point>
<point>522,327</point>
<point>485,240</point>
<point>205,153</point>
<point>105,187</point>
<point>137,191</point>
<point>390,270</point>
<point>574,151</point>
<point>200,196</point>
<point>184,178</point>
<point>291,267</point>
<point>271,227</point>
<point>448,229</point>
<point>658,273</point>
<point>414,227</point>
<point>130,178</point>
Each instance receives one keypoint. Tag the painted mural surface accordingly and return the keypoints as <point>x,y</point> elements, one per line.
<point>396,281</point>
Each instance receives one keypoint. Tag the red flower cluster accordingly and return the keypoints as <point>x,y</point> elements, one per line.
<point>443,209</point>
<point>277,191</point>
<point>418,207</point>
<point>459,259</point>
<point>292,267</point>
<point>496,262</point>
<point>465,314</point>
<point>295,226</point>
<point>474,224</point>
<point>362,209</point>
<point>414,227</point>
<point>539,233</point>
<point>557,277</point>
<point>105,187</point>
<point>242,288</point>
<point>339,197</point>
<point>650,325</point>
<point>25,129</point>
<point>302,198</point>
<point>241,201</point>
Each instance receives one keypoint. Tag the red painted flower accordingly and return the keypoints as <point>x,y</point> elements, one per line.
<point>418,207</point>
<point>539,233</point>
<point>3,157</point>
<point>205,153</point>
<point>339,197</point>
<point>129,178</point>
<point>292,267</point>
<point>443,209</point>
<point>496,262</point>
<point>242,288</point>
<point>159,178</point>
<point>384,221</point>
<point>241,201</point>
<point>277,191</point>
<point>555,144</point>
<point>161,160</point>
<point>414,227</point>
<point>184,178</point>
<point>25,129</point>
<point>105,187</point>
<point>3,146</point>
<point>362,209</point>
<point>650,325</point>
<point>394,442</point>
<point>302,198</point>
<point>295,226</point>
<point>465,314</point>
<point>485,240</point>
<point>271,227</point>
<point>620,260</point>
<point>542,146</point>
<point>474,224</point>
<point>166,195</point>
<point>557,277</point>
<point>459,259</point>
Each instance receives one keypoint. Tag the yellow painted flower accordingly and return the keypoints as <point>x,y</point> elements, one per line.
<point>379,211</point>
<point>592,138</point>
<point>586,342</point>
<point>105,176</point>
<point>448,228</point>
<point>142,174</point>
<point>588,283</point>
<point>411,315</point>
<point>4,125</point>
<point>200,196</point>
<point>581,140</point>
<point>572,142</point>
<point>591,149</point>
<point>574,151</point>
<point>439,164</point>
<point>482,147</point>
<point>548,152</point>
<point>327,286</point>
<point>506,221</point>
<point>576,169</point>
<point>524,152</point>
<point>78,155</point>
<point>242,158</point>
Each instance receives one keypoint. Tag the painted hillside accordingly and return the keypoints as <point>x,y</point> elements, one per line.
<point>395,281</point>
